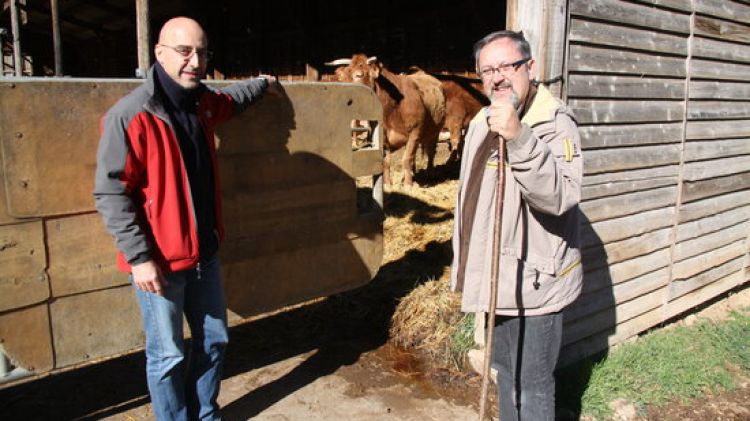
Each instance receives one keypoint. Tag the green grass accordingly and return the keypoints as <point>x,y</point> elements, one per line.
<point>462,339</point>
<point>678,363</point>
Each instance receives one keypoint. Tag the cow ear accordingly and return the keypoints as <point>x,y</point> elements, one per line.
<point>375,70</point>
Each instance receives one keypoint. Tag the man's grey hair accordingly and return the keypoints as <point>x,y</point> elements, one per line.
<point>517,37</point>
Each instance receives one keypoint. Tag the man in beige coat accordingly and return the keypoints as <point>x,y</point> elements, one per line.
<point>540,263</point>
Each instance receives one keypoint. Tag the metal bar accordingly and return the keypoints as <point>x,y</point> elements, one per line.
<point>56,36</point>
<point>144,37</point>
<point>17,61</point>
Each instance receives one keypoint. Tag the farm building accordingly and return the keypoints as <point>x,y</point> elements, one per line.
<point>661,89</point>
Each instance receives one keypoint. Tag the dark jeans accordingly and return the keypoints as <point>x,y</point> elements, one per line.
<point>525,354</point>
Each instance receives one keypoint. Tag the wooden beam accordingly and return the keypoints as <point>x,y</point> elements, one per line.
<point>143,35</point>
<point>620,37</point>
<point>620,12</point>
<point>56,36</point>
<point>584,58</point>
<point>15,28</point>
<point>694,190</point>
<point>511,15</point>
<point>600,161</point>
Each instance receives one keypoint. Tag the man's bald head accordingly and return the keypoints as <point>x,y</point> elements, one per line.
<point>174,26</point>
<point>182,52</point>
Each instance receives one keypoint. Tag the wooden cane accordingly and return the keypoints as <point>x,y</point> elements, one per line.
<point>494,276</point>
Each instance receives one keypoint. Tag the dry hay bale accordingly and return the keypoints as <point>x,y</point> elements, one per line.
<point>427,319</point>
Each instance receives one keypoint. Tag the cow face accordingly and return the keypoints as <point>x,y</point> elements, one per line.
<point>358,69</point>
<point>363,71</point>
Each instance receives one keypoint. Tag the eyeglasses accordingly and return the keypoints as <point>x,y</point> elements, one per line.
<point>188,51</point>
<point>503,69</point>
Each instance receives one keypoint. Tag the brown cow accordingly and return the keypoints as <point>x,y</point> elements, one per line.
<point>413,109</point>
<point>464,98</point>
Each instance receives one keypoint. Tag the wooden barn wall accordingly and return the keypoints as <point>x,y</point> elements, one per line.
<point>662,92</point>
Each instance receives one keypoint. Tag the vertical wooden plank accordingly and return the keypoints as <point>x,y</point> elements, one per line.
<point>143,34</point>
<point>511,15</point>
<point>555,42</point>
<point>15,28</point>
<point>56,37</point>
<point>311,73</point>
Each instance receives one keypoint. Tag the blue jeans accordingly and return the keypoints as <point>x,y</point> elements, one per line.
<point>185,387</point>
<point>525,354</point>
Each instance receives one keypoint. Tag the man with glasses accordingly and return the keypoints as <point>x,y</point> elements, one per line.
<point>157,189</point>
<point>539,265</point>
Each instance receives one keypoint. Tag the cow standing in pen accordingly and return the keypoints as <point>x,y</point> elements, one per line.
<point>463,100</point>
<point>413,110</point>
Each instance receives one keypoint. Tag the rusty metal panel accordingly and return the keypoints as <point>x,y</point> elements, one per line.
<point>25,336</point>
<point>288,176</point>
<point>5,217</point>
<point>49,131</point>
<point>295,227</point>
<point>96,324</point>
<point>23,280</point>
<point>81,255</point>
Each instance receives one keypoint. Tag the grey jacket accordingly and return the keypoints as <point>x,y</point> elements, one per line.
<point>540,264</point>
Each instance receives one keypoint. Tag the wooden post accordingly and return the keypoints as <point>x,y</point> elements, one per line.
<point>56,37</point>
<point>311,72</point>
<point>17,57</point>
<point>511,15</point>
<point>144,37</point>
<point>543,24</point>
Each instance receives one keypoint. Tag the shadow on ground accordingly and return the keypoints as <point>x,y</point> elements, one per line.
<point>340,329</point>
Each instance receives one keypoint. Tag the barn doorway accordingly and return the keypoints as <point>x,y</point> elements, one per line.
<point>291,39</point>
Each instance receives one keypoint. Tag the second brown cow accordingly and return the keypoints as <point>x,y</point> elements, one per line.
<point>413,110</point>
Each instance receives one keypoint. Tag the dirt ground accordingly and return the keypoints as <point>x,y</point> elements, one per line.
<point>310,363</point>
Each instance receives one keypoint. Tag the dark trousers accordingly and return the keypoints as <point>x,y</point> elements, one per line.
<point>525,354</point>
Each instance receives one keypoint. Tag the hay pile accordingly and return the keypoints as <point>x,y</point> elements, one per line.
<point>428,319</point>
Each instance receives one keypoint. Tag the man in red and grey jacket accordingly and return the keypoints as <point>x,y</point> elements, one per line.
<point>158,190</point>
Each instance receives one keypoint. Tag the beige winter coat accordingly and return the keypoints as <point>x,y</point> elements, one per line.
<point>540,265</point>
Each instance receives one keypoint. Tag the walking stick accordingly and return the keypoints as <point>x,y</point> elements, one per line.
<point>494,276</point>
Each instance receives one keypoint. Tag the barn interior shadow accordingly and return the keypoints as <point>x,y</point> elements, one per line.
<point>589,322</point>
<point>442,172</point>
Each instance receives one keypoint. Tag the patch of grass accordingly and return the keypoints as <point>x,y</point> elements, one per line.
<point>462,340</point>
<point>678,363</point>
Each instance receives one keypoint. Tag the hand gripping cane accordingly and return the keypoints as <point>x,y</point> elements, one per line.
<point>494,276</point>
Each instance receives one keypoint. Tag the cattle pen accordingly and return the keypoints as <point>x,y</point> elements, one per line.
<point>661,89</point>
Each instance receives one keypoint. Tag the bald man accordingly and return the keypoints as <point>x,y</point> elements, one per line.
<point>158,192</point>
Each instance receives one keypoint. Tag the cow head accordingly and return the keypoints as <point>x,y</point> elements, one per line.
<point>358,69</point>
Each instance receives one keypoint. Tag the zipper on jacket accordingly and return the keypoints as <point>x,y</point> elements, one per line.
<point>198,271</point>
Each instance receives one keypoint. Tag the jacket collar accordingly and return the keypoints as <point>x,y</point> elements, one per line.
<point>543,108</point>
<point>155,104</point>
